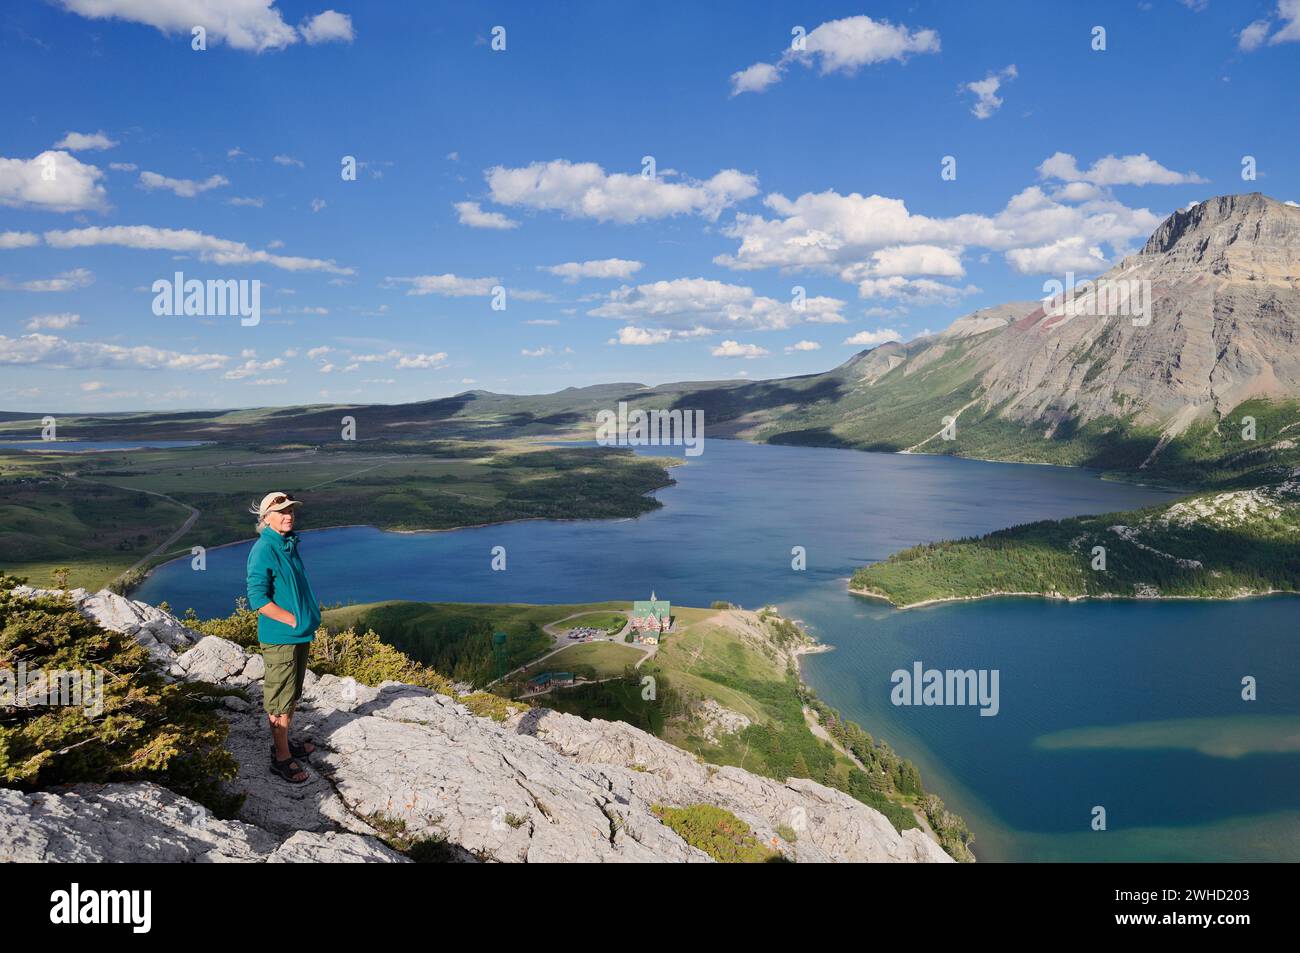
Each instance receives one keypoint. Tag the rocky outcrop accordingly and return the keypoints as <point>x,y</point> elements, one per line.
<point>539,787</point>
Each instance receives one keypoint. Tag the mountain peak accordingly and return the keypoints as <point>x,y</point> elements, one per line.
<point>1224,227</point>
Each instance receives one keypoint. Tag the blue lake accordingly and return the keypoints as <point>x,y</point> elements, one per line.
<point>726,532</point>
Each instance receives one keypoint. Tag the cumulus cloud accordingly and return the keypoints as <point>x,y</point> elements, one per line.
<point>53,181</point>
<point>918,291</point>
<point>450,286</point>
<point>1068,254</point>
<point>585,190</point>
<point>736,349</point>
<point>641,337</point>
<point>422,361</point>
<point>288,161</point>
<point>842,234</point>
<point>873,338</point>
<point>185,188</point>
<point>254,25</point>
<point>695,304</point>
<point>840,46</point>
<point>48,350</point>
<point>1138,169</point>
<point>1286,17</point>
<point>469,213</point>
<point>81,141</point>
<point>987,101</point>
<point>251,367</point>
<point>803,346</point>
<point>571,271</point>
<point>65,281</point>
<point>209,248</point>
<point>52,322</point>
<point>19,239</point>
<point>327,27</point>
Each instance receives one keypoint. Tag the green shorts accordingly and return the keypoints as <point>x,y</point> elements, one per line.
<point>286,667</point>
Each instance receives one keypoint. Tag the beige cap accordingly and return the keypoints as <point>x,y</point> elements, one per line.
<point>274,502</point>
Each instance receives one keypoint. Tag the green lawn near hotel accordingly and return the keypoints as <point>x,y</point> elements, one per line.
<point>588,660</point>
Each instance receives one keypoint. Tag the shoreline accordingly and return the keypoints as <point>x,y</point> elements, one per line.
<point>939,600</point>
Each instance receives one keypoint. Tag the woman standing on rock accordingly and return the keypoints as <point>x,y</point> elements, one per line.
<point>287,617</point>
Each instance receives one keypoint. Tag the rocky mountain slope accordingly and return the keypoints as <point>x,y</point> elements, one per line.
<point>538,787</point>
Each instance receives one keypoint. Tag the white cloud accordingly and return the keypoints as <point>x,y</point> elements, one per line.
<point>830,232</point>
<point>251,367</point>
<point>244,24</point>
<point>1138,169</point>
<point>840,46</point>
<point>803,346</point>
<point>700,303</point>
<point>537,352</point>
<point>185,188</point>
<point>1253,36</point>
<point>47,350</point>
<point>79,141</point>
<point>318,352</point>
<point>92,386</point>
<point>585,190</point>
<point>64,281</point>
<point>571,271</point>
<point>450,286</point>
<point>19,239</point>
<point>641,337</point>
<point>1287,16</point>
<point>422,361</point>
<point>123,166</point>
<point>736,349</point>
<point>52,322</point>
<point>873,338</point>
<point>543,322</point>
<point>208,247</point>
<point>987,101</point>
<point>469,213</point>
<point>918,291</point>
<point>317,204</point>
<point>327,27</point>
<point>247,202</point>
<point>288,161</point>
<point>755,79</point>
<point>52,182</point>
<point>1068,254</point>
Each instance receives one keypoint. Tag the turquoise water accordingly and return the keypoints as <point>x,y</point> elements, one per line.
<point>726,532</point>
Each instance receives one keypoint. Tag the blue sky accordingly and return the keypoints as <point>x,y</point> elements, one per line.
<point>523,168</point>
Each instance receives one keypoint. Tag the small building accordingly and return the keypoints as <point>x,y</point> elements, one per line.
<point>549,680</point>
<point>651,618</point>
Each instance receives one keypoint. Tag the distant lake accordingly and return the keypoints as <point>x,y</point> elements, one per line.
<point>87,446</point>
<point>1081,684</point>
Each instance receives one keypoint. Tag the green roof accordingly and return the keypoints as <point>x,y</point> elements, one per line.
<point>655,607</point>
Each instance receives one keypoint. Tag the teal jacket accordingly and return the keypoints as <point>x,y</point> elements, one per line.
<point>276,574</point>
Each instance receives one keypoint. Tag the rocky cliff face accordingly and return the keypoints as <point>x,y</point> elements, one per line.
<point>540,787</point>
<point>1224,279</point>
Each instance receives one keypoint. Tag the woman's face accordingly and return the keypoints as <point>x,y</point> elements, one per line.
<point>280,520</point>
